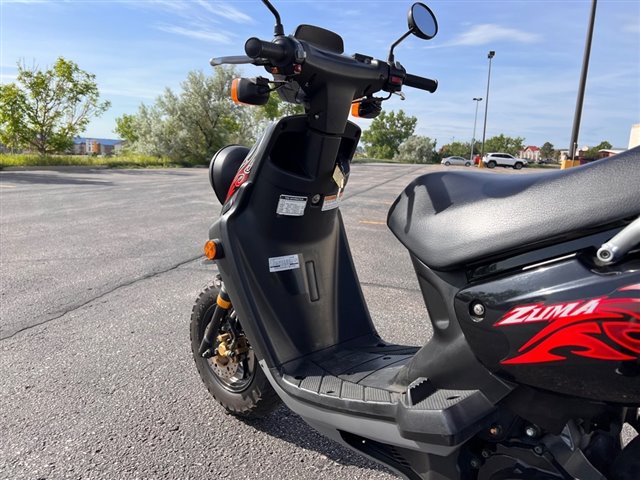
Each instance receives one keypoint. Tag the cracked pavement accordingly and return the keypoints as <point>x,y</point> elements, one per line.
<point>99,271</point>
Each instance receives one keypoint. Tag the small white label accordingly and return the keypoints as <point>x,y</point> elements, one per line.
<point>288,262</point>
<point>291,205</point>
<point>331,201</point>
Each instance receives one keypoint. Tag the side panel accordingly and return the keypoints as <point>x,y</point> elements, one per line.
<point>566,327</point>
<point>287,264</point>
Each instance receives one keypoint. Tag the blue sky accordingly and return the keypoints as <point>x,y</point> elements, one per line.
<point>137,48</point>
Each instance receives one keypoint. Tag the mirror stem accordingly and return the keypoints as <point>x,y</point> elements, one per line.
<point>278,30</point>
<point>391,59</point>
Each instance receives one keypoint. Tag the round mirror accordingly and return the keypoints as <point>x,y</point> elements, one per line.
<point>422,21</point>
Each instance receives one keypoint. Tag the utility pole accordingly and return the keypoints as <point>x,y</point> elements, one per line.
<point>583,82</point>
<point>491,54</point>
<point>473,138</point>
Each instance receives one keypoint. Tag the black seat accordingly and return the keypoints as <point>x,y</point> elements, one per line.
<point>452,218</point>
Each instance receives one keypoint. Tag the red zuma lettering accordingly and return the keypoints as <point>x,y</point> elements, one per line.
<point>604,328</point>
<point>539,312</point>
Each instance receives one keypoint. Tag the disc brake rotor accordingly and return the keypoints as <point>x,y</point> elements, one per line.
<point>225,371</point>
<point>227,361</point>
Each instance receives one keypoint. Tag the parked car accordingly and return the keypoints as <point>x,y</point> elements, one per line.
<point>493,160</point>
<point>455,160</point>
<point>545,161</point>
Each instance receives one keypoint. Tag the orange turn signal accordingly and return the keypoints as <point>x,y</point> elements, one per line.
<point>234,90</point>
<point>210,250</point>
<point>355,109</point>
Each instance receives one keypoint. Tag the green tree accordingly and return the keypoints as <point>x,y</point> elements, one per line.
<point>387,132</point>
<point>126,128</point>
<point>417,149</point>
<point>504,144</point>
<point>547,150</point>
<point>458,149</point>
<point>193,124</point>
<point>593,152</point>
<point>44,110</point>
<point>277,108</point>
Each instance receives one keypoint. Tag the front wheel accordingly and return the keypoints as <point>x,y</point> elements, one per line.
<point>447,164</point>
<point>236,381</point>
<point>518,165</point>
<point>468,164</point>
<point>491,164</point>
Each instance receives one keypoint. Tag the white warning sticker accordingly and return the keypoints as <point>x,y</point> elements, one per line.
<point>291,206</point>
<point>331,201</point>
<point>288,262</point>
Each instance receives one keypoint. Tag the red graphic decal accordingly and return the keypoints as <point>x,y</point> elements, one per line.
<point>630,287</point>
<point>600,328</point>
<point>242,175</point>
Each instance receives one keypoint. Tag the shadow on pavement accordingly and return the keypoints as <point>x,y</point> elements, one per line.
<point>53,178</point>
<point>287,426</point>
<point>176,172</point>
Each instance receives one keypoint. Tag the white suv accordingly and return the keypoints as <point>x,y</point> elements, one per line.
<point>492,160</point>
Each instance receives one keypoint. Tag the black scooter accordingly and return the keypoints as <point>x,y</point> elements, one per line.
<point>534,364</point>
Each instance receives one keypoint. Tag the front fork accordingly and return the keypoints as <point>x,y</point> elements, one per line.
<point>223,305</point>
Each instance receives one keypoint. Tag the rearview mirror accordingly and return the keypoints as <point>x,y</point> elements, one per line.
<point>422,21</point>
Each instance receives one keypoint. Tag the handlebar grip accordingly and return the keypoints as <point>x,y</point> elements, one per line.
<point>421,82</point>
<point>256,48</point>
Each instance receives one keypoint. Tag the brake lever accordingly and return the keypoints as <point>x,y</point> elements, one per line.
<point>231,60</point>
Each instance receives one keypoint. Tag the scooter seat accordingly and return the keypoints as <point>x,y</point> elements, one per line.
<point>448,219</point>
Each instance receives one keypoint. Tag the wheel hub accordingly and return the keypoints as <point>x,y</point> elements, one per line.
<point>228,355</point>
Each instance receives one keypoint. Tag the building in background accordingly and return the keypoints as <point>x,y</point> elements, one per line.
<point>531,153</point>
<point>610,152</point>
<point>634,136</point>
<point>96,146</point>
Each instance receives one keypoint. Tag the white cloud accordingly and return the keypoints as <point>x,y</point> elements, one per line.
<point>225,11</point>
<point>631,28</point>
<point>202,9</point>
<point>197,33</point>
<point>487,33</point>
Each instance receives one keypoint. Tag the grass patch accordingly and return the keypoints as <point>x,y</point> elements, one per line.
<point>373,160</point>
<point>544,165</point>
<point>116,161</point>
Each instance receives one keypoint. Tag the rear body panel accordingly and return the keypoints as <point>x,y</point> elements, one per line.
<point>568,327</point>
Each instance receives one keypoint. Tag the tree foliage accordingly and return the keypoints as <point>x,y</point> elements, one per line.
<point>387,132</point>
<point>417,149</point>
<point>458,149</point>
<point>276,108</point>
<point>593,152</point>
<point>126,128</point>
<point>503,144</point>
<point>45,109</point>
<point>189,125</point>
<point>547,150</point>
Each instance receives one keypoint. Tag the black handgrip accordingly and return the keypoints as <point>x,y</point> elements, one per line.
<point>256,48</point>
<point>421,82</point>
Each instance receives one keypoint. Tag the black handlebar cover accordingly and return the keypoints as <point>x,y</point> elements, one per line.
<point>256,48</point>
<point>421,82</point>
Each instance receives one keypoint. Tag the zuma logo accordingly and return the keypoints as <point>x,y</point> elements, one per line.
<point>603,328</point>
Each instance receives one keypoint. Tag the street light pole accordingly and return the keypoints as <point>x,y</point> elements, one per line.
<point>473,139</point>
<point>583,80</point>
<point>491,54</point>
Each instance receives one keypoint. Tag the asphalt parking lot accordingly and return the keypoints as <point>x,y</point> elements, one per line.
<point>100,269</point>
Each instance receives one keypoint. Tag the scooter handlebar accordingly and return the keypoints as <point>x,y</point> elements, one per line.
<point>420,82</point>
<point>256,48</point>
